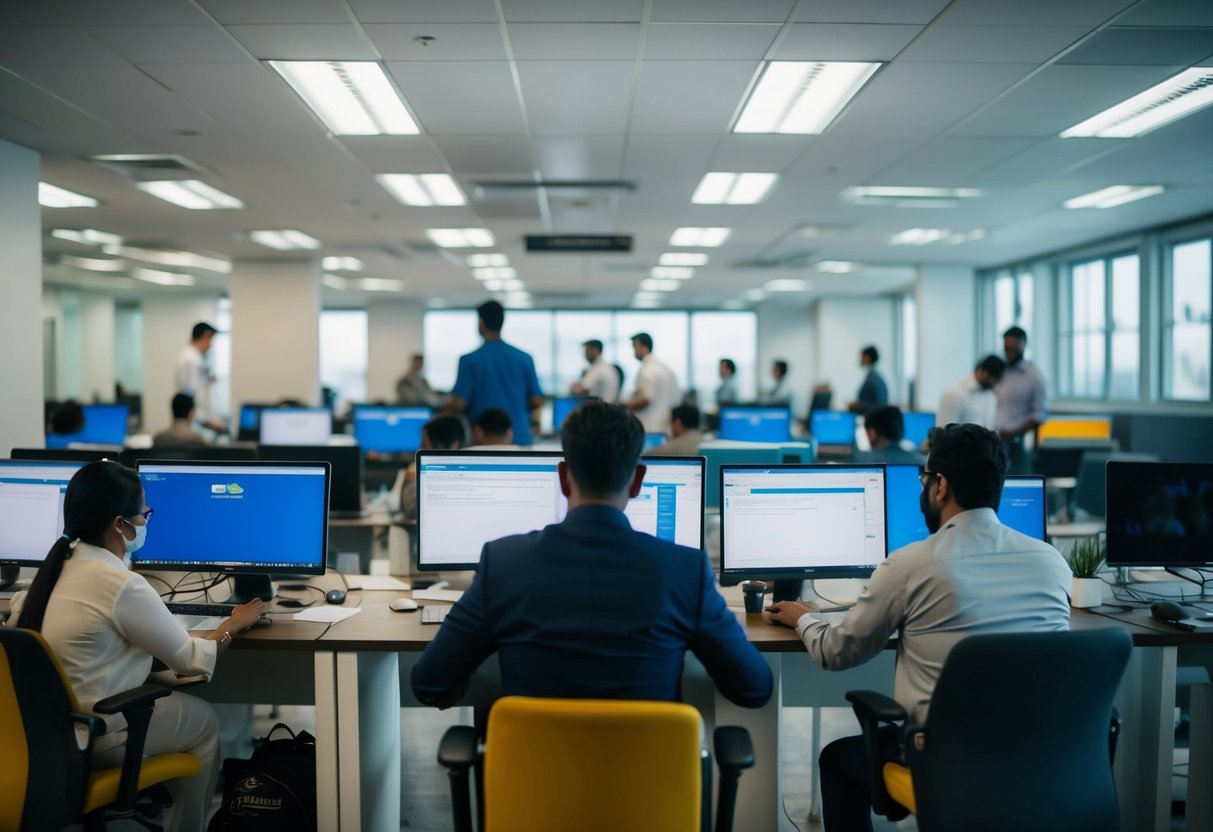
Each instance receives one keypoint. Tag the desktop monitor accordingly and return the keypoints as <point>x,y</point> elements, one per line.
<point>245,519</point>
<point>802,521</point>
<point>31,508</point>
<point>562,406</point>
<point>104,424</point>
<point>832,427</point>
<point>296,426</point>
<point>389,429</point>
<point>755,424</point>
<point>719,454</point>
<point>1024,505</point>
<point>345,465</point>
<point>1160,514</point>
<point>917,425</point>
<point>218,453</point>
<point>653,440</point>
<point>468,498</point>
<point>77,455</point>
<point>1074,429</point>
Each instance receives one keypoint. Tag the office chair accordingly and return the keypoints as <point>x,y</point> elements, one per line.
<point>1018,736</point>
<point>45,776</point>
<point>1091,491</point>
<point>551,765</point>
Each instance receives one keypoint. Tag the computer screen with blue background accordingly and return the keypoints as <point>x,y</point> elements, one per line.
<point>389,430</point>
<point>104,424</point>
<point>562,406</point>
<point>916,426</point>
<point>832,427</point>
<point>296,426</point>
<point>755,424</point>
<point>31,509</point>
<point>653,440</point>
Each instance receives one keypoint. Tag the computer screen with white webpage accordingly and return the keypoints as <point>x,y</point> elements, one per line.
<point>31,509</point>
<point>296,426</point>
<point>670,503</point>
<point>811,521</point>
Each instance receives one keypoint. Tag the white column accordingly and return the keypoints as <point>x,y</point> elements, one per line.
<point>275,331</point>
<point>947,329</point>
<point>168,320</point>
<point>21,287</point>
<point>394,332</point>
<point>96,347</point>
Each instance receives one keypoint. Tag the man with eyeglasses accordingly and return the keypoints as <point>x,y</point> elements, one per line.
<point>972,575</point>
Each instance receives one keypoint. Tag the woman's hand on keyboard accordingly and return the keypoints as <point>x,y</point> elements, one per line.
<point>246,615</point>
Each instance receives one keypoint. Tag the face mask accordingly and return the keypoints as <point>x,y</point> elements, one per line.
<point>135,545</point>
<point>934,518</point>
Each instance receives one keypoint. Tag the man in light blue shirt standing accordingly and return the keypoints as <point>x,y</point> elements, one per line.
<point>1022,403</point>
<point>497,375</point>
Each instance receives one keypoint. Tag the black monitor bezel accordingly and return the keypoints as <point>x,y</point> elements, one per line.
<point>351,498</point>
<point>787,408</point>
<point>804,573</point>
<point>257,569</point>
<point>261,423</point>
<point>77,464</point>
<point>370,406</point>
<point>1114,540</point>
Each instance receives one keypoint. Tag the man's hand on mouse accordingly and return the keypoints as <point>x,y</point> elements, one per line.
<point>789,612</point>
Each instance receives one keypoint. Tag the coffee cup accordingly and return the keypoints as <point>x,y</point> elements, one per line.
<point>755,593</point>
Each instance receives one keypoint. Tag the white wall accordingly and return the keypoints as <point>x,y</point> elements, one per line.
<point>21,423</point>
<point>947,329</point>
<point>394,332</point>
<point>167,321</point>
<point>844,326</point>
<point>96,347</point>
<point>128,347</point>
<point>785,332</point>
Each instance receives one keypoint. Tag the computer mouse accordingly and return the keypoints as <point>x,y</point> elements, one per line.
<point>403,605</point>
<point>1168,611</point>
<point>335,596</point>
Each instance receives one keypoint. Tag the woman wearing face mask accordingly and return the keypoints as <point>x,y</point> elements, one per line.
<point>105,624</point>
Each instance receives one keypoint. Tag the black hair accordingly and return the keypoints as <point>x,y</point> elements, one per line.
<point>871,353</point>
<point>593,342</point>
<point>887,422</point>
<point>492,315</point>
<point>183,405</point>
<point>602,444</point>
<point>619,372</point>
<point>494,422</point>
<point>974,461</point>
<point>445,431</point>
<point>732,365</point>
<point>96,494</point>
<point>1016,332</point>
<point>688,414</point>
<point>993,366</point>
<point>645,340</point>
<point>67,419</point>
<point>782,366</point>
<point>201,329</point>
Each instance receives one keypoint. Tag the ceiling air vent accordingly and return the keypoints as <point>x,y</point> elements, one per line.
<point>147,165</point>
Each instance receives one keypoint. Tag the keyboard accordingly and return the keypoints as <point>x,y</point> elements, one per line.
<point>431,614</point>
<point>208,610</point>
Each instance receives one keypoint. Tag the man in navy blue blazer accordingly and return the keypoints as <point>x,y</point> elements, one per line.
<point>589,608</point>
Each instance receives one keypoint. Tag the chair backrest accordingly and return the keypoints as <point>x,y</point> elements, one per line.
<point>44,762</point>
<point>1091,491</point>
<point>551,765</point>
<point>1017,734</point>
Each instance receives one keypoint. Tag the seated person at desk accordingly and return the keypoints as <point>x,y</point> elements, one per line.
<point>589,608</point>
<point>442,433</point>
<point>492,431</point>
<point>972,575</point>
<point>684,425</point>
<point>105,624</point>
<point>885,427</point>
<point>181,433</point>
<point>779,394</point>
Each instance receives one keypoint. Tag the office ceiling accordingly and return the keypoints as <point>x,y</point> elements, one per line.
<point>973,94</point>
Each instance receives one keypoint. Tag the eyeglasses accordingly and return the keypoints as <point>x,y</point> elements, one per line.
<point>924,475</point>
<point>146,515</point>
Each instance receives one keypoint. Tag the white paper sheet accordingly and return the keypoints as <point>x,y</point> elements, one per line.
<point>328,614</point>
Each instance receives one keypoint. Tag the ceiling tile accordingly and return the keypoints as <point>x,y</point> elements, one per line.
<point>1144,46</point>
<point>276,11</point>
<point>689,96</point>
<point>1041,162</point>
<point>758,152</point>
<point>708,41</point>
<point>394,154</point>
<point>22,46</point>
<point>130,13</point>
<point>487,154</point>
<point>951,162</point>
<point>572,11</point>
<point>120,95</point>
<point>482,92</point>
<point>579,97</point>
<point>575,41</point>
<point>579,157</point>
<point>844,41</point>
<point>1168,13</point>
<point>871,11</point>
<point>722,11</point>
<point>1039,12</point>
<point>452,41</point>
<point>304,42</point>
<point>992,44</point>
<point>170,44</point>
<point>425,11</point>
<point>31,13</point>
<point>1040,119</point>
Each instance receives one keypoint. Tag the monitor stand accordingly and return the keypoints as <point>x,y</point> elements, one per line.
<point>247,587</point>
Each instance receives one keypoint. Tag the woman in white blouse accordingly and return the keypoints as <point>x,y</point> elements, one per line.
<point>106,623</point>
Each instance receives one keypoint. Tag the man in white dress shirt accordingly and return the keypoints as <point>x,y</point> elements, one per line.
<point>971,400</point>
<point>657,391</point>
<point>972,575</point>
<point>599,381</point>
<point>194,379</point>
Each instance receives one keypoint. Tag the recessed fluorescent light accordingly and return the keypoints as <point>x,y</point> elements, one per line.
<point>190,193</point>
<point>379,284</point>
<point>787,284</point>
<point>342,264</point>
<point>1113,196</point>
<point>168,257</point>
<point>284,239</point>
<point>335,282</point>
<point>1161,104</point>
<point>52,196</point>
<point>461,237</point>
<point>495,273</point>
<point>425,190</point>
<point>638,303</point>
<point>94,264</point>
<point>802,96</point>
<point>754,295</point>
<point>479,261</point>
<point>918,236</point>
<point>683,258</point>
<point>838,266</point>
<point>163,278</point>
<point>964,237</point>
<point>720,188</point>
<point>908,197</point>
<point>656,284</point>
<point>352,98</point>
<point>674,272</point>
<point>700,237</point>
<point>87,236</point>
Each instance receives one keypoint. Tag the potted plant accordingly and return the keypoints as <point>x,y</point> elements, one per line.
<point>1086,557</point>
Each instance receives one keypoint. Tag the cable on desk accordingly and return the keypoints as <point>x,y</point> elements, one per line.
<point>813,586</point>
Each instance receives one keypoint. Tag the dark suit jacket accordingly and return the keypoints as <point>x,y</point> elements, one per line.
<point>589,608</point>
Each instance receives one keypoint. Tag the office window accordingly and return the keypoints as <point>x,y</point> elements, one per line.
<point>1125,348</point>
<point>448,334</point>
<point>531,332</point>
<point>1012,305</point>
<point>1086,337</point>
<point>343,355</point>
<point>717,335</point>
<point>1099,335</point>
<point>1188,324</point>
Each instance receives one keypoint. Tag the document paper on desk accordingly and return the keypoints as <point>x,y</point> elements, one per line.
<point>328,615</point>
<point>452,595</point>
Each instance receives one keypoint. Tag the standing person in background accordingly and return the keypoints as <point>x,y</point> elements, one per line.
<point>971,400</point>
<point>779,394</point>
<point>193,378</point>
<point>413,389</point>
<point>726,393</point>
<point>1022,400</point>
<point>497,375</point>
<point>657,391</point>
<point>181,433</point>
<point>873,392</point>
<point>599,381</point>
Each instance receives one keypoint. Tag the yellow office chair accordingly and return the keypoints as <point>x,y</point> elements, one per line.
<point>46,745</point>
<point>550,765</point>
<point>1017,737</point>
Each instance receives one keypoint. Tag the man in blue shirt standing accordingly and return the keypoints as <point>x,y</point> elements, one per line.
<point>497,375</point>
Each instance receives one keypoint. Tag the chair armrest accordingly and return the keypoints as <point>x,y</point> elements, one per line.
<point>734,751</point>
<point>875,707</point>
<point>135,705</point>
<point>872,708</point>
<point>95,725</point>
<point>130,699</point>
<point>458,752</point>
